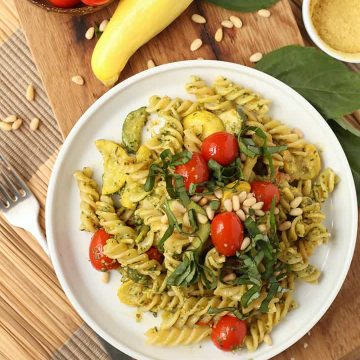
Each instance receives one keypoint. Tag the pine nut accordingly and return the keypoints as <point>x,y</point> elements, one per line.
<point>196,45</point>
<point>177,207</point>
<point>202,219</point>
<point>249,202</point>
<point>242,196</point>
<point>296,212</point>
<point>236,21</point>
<point>10,119</point>
<point>267,340</point>
<point>78,80</point>
<point>250,195</point>
<point>200,58</point>
<point>164,219</point>
<point>198,19</point>
<point>103,25</point>
<point>196,198</point>
<point>259,213</point>
<point>285,226</point>
<point>276,211</point>
<point>298,132</point>
<point>235,202</point>
<point>5,126</point>
<point>296,202</point>
<point>262,228</point>
<point>228,205</point>
<point>264,13</point>
<point>34,124</point>
<point>256,57</point>
<point>203,201</point>
<point>90,32</point>
<point>258,205</point>
<point>210,212</point>
<point>246,242</point>
<point>30,93</point>
<point>229,277</point>
<point>16,124</point>
<point>240,213</point>
<point>227,24</point>
<point>105,277</point>
<point>242,157</point>
<point>219,34</point>
<point>305,345</point>
<point>218,193</point>
<point>186,220</point>
<point>150,64</point>
<point>246,209</point>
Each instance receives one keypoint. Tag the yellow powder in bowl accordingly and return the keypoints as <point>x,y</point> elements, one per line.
<point>338,23</point>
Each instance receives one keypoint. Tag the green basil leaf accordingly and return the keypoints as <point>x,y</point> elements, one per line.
<point>244,5</point>
<point>209,284</point>
<point>252,294</point>
<point>273,290</point>
<point>328,84</point>
<point>214,204</point>
<point>180,158</point>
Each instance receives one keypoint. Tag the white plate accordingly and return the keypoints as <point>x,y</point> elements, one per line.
<point>96,302</point>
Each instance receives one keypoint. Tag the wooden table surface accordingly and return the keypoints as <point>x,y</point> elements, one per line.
<point>36,319</point>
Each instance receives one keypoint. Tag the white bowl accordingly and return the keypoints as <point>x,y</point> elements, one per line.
<point>309,26</point>
<point>96,302</point>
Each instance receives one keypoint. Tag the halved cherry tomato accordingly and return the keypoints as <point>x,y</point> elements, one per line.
<point>65,3</point>
<point>95,2</point>
<point>265,191</point>
<point>221,147</point>
<point>98,260</point>
<point>194,171</point>
<point>229,333</point>
<point>154,254</point>
<point>227,233</point>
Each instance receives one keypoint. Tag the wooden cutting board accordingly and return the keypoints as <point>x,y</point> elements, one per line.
<point>61,51</point>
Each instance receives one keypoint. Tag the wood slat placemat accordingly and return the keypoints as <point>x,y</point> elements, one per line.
<point>36,319</point>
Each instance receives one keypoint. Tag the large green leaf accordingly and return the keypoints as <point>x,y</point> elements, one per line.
<point>327,83</point>
<point>351,145</point>
<point>244,5</point>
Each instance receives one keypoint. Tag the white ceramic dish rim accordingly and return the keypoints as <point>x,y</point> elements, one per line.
<point>100,102</point>
<point>354,59</point>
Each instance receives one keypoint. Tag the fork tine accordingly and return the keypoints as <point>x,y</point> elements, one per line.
<point>4,197</point>
<point>10,188</point>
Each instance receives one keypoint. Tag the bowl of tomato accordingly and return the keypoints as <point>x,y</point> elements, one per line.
<point>73,7</point>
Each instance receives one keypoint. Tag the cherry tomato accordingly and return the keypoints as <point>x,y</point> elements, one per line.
<point>229,333</point>
<point>265,191</point>
<point>98,260</point>
<point>154,254</point>
<point>221,147</point>
<point>65,3</point>
<point>227,233</point>
<point>95,2</point>
<point>194,171</point>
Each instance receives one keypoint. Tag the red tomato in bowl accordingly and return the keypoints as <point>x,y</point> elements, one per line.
<point>95,2</point>
<point>265,191</point>
<point>98,260</point>
<point>194,171</point>
<point>229,333</point>
<point>221,147</point>
<point>227,233</point>
<point>65,3</point>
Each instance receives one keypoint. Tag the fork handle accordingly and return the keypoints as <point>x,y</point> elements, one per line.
<point>38,234</point>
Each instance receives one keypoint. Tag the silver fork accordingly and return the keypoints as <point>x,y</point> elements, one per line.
<point>17,203</point>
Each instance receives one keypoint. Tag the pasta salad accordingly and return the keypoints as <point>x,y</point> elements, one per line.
<point>212,219</point>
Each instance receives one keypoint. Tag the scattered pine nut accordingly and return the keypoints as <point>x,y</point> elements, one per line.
<point>285,226</point>
<point>176,206</point>
<point>198,19</point>
<point>242,196</point>
<point>218,193</point>
<point>246,209</point>
<point>262,228</point>
<point>196,198</point>
<point>298,132</point>
<point>5,126</point>
<point>292,358</point>
<point>306,345</point>
<point>203,201</point>
<point>258,205</point>
<point>236,21</point>
<point>296,202</point>
<point>228,205</point>
<point>229,277</point>
<point>105,277</point>
<point>227,24</point>
<point>34,124</point>
<point>78,80</point>
<point>264,13</point>
<point>16,124</point>
<point>210,212</point>
<point>186,220</point>
<point>240,213</point>
<point>90,32</point>
<point>219,35</point>
<point>250,195</point>
<point>196,44</point>
<point>200,58</point>
<point>259,213</point>
<point>103,25</point>
<point>235,202</point>
<point>296,212</point>
<point>249,202</point>
<point>30,93</point>
<point>276,211</point>
<point>150,64</point>
<point>202,219</point>
<point>10,119</point>
<point>245,243</point>
<point>256,57</point>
